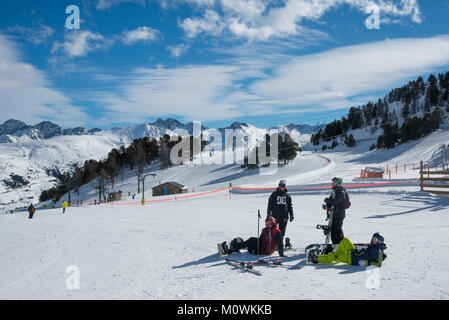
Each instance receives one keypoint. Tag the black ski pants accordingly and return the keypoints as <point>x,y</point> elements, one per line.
<point>337,232</point>
<point>250,244</point>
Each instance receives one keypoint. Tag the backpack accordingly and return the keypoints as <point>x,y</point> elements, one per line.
<point>347,201</point>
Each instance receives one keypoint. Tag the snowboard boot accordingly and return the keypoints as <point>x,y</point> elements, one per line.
<point>329,248</point>
<point>224,249</point>
<point>312,256</point>
<point>288,245</point>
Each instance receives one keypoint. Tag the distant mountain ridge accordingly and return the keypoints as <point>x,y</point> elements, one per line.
<point>14,131</point>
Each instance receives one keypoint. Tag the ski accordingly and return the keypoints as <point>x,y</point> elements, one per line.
<point>245,265</point>
<point>277,262</point>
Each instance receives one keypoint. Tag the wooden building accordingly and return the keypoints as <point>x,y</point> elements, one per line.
<point>168,188</point>
<point>115,196</point>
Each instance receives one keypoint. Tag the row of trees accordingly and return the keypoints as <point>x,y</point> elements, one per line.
<point>136,156</point>
<point>421,102</point>
<point>348,140</point>
<point>139,153</point>
<point>412,129</point>
<point>287,151</point>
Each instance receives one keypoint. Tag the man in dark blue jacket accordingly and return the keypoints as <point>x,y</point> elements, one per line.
<point>347,253</point>
<point>280,206</point>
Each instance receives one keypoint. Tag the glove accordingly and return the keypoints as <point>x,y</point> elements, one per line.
<point>291,218</point>
<point>324,206</point>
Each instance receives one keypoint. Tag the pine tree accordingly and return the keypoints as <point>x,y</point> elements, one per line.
<point>405,112</point>
<point>350,141</point>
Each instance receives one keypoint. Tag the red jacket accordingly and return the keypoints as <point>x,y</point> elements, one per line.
<point>268,247</point>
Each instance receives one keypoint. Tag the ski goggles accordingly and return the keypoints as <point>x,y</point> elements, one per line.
<point>375,240</point>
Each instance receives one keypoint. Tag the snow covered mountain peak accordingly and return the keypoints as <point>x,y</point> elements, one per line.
<point>12,131</point>
<point>11,126</point>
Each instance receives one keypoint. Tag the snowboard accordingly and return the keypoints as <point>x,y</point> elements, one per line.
<point>323,248</point>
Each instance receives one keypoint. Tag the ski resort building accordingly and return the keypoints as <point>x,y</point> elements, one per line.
<point>115,196</point>
<point>371,172</point>
<point>168,188</point>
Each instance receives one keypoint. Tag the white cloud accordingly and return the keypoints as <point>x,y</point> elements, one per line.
<point>262,20</point>
<point>80,43</point>
<point>106,4</point>
<point>26,93</point>
<point>211,23</point>
<point>331,78</point>
<point>252,83</point>
<point>178,50</point>
<point>36,36</point>
<point>191,92</point>
<point>143,34</point>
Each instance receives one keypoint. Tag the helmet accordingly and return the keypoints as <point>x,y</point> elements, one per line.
<point>282,183</point>
<point>377,239</point>
<point>338,181</point>
<point>271,219</point>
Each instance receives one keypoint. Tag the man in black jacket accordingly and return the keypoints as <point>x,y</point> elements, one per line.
<point>280,207</point>
<point>336,202</point>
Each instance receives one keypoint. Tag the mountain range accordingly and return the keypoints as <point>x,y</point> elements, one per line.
<point>15,131</point>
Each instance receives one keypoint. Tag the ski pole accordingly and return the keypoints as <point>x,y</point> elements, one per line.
<point>258,228</point>
<point>269,237</point>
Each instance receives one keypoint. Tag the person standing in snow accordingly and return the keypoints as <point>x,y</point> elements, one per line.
<point>269,241</point>
<point>280,207</point>
<point>336,202</point>
<point>347,253</point>
<point>64,205</point>
<point>31,211</point>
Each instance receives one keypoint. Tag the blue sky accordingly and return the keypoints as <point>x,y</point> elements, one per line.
<point>265,62</point>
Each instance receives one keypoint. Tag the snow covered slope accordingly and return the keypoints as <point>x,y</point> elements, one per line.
<point>167,250</point>
<point>34,155</point>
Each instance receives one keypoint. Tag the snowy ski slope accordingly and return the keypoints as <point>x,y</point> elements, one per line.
<point>167,249</point>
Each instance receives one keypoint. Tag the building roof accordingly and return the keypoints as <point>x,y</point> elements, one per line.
<point>178,185</point>
<point>374,169</point>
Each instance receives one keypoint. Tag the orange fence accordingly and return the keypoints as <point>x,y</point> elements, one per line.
<point>229,189</point>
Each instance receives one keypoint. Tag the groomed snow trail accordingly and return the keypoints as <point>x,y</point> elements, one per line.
<point>168,250</point>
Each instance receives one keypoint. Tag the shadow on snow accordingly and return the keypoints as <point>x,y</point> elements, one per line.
<point>428,204</point>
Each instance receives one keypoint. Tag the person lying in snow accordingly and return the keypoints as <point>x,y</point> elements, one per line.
<point>347,253</point>
<point>269,241</point>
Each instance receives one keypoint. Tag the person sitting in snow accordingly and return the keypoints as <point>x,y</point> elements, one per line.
<point>269,241</point>
<point>347,253</point>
